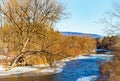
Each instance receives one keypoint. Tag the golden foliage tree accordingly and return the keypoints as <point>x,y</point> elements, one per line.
<point>29,23</point>
<point>29,30</point>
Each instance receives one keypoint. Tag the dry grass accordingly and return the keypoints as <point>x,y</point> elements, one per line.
<point>112,69</point>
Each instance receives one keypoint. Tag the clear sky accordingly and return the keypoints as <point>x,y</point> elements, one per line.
<point>85,16</point>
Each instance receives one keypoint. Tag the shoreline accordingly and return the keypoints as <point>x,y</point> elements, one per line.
<point>44,69</point>
<point>41,69</point>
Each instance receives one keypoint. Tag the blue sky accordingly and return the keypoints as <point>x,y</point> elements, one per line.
<point>85,16</point>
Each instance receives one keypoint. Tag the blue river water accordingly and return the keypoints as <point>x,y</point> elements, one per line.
<point>80,68</point>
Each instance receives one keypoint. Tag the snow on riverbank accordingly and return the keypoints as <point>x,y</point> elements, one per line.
<point>50,71</point>
<point>89,78</point>
<point>86,57</point>
<point>3,57</point>
<point>16,70</point>
<point>44,69</point>
<point>75,58</point>
<point>104,55</point>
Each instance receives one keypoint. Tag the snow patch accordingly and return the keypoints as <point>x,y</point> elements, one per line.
<point>50,70</point>
<point>41,69</point>
<point>16,70</point>
<point>75,58</point>
<point>90,56</point>
<point>104,55</point>
<point>82,57</point>
<point>41,65</point>
<point>89,78</point>
<point>2,68</point>
<point>3,57</point>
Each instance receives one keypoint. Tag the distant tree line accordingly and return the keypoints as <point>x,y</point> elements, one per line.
<point>109,42</point>
<point>110,71</point>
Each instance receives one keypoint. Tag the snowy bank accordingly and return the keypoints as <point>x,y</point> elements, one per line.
<point>44,68</point>
<point>104,55</point>
<point>41,69</point>
<point>86,57</point>
<point>89,78</point>
<point>47,71</point>
<point>19,70</point>
<point>16,70</point>
<point>75,58</point>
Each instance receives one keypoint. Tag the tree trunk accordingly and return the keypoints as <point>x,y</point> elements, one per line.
<point>13,63</point>
<point>23,49</point>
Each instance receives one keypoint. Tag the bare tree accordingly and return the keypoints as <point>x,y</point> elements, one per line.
<point>28,21</point>
<point>31,16</point>
<point>112,20</point>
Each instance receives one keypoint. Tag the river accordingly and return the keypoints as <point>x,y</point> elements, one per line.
<point>81,69</point>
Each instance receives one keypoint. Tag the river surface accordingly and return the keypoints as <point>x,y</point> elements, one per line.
<point>81,69</point>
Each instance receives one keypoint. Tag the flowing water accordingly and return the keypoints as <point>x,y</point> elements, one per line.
<point>81,69</point>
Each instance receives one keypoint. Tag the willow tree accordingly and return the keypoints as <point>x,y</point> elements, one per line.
<point>28,22</point>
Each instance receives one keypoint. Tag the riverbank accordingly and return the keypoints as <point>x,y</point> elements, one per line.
<point>111,70</point>
<point>42,68</point>
<point>79,68</point>
<point>45,69</point>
